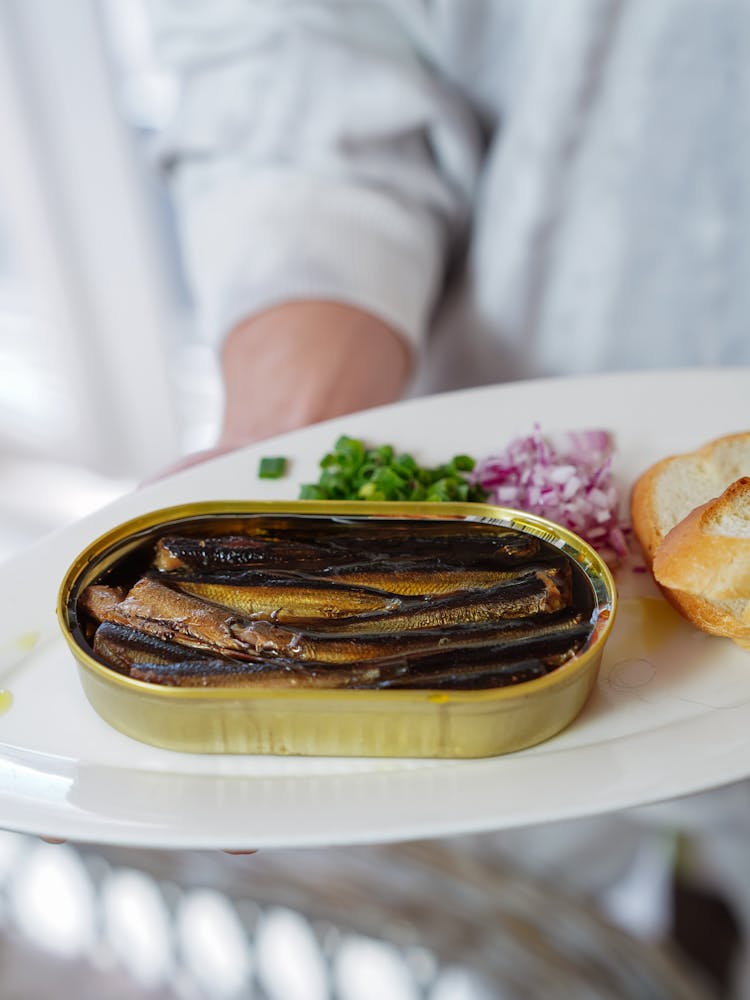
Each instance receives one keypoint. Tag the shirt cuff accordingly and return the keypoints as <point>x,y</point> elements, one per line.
<point>255,241</point>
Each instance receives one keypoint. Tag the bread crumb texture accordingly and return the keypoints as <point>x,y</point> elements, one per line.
<point>691,515</point>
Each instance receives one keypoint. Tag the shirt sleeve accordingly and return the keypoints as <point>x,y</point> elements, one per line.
<point>317,152</point>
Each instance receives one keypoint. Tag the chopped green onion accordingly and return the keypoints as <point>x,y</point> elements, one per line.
<point>353,471</point>
<point>271,468</point>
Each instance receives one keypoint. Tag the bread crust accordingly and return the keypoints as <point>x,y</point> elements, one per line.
<point>703,574</point>
<point>707,616</point>
<point>693,558</point>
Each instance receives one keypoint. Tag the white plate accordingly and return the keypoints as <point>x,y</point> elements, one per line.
<point>670,715</point>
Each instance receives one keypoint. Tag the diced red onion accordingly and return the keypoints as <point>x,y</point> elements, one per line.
<point>569,482</point>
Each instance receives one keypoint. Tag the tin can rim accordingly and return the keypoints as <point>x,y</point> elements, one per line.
<point>83,569</point>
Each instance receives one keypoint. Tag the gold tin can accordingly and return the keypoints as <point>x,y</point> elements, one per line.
<point>335,722</point>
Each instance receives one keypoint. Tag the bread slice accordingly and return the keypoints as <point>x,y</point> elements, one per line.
<point>708,552</point>
<point>671,489</point>
<point>691,514</point>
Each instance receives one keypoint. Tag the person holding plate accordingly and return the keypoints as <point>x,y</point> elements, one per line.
<point>390,198</point>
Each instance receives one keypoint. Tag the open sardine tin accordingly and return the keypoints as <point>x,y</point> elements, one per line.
<point>390,721</point>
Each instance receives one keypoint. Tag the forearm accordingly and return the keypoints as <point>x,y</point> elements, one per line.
<point>303,362</point>
<point>363,198</point>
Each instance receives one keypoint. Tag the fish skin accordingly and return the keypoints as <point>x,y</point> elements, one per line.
<point>191,673</point>
<point>418,579</point>
<point>228,553</point>
<point>404,579</point>
<point>289,600</point>
<point>353,532</point>
<point>317,546</point>
<point>331,647</point>
<point>99,600</point>
<point>275,676</point>
<point>483,667</point>
<point>535,592</point>
<point>122,647</point>
<point>480,678</point>
<point>169,614</point>
<point>535,589</point>
<point>158,610</point>
<point>465,548</point>
<point>462,638</point>
<point>269,674</point>
<point>182,622</point>
<point>467,664</point>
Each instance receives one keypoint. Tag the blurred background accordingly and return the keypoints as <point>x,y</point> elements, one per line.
<point>94,316</point>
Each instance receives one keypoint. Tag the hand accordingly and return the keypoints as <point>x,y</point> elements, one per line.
<point>298,364</point>
<point>304,362</point>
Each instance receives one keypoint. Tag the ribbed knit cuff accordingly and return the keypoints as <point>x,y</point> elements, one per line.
<point>260,239</point>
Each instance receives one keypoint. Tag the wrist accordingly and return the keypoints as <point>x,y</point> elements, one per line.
<point>303,362</point>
